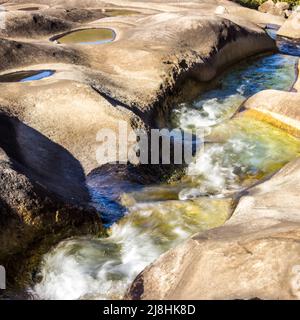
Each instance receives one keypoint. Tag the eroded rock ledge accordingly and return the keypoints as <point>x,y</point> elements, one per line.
<point>50,126</point>
<point>279,108</point>
<point>256,253</point>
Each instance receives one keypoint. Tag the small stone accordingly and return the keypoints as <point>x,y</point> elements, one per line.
<point>221,10</point>
<point>287,13</point>
<point>282,6</point>
<point>267,6</point>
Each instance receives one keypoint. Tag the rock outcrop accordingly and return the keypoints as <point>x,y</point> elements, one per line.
<point>254,255</point>
<point>158,53</point>
<point>277,9</point>
<point>50,126</point>
<point>291,28</point>
<point>279,108</point>
<point>43,196</point>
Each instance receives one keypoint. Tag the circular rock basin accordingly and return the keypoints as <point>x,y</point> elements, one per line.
<point>87,36</point>
<point>26,76</point>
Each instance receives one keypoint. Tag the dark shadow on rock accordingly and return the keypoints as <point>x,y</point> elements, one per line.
<point>43,161</point>
<point>43,199</point>
<point>108,182</point>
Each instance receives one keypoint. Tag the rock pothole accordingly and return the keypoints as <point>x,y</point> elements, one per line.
<point>26,76</point>
<point>86,36</point>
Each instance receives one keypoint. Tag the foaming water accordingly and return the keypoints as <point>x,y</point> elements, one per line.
<point>247,150</point>
<point>240,152</point>
<point>104,268</point>
<point>285,45</point>
<point>232,88</point>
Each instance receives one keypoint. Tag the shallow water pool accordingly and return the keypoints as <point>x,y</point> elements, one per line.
<point>88,36</point>
<point>26,76</point>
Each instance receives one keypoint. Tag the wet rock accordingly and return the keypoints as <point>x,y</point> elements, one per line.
<point>276,107</point>
<point>254,255</point>
<point>268,201</point>
<point>279,108</point>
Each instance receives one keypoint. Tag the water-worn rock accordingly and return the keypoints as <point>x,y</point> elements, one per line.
<point>43,195</point>
<point>291,28</point>
<point>51,142</point>
<point>158,51</point>
<point>256,254</point>
<point>280,108</point>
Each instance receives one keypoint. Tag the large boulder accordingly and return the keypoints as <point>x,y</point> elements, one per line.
<point>277,9</point>
<point>43,196</point>
<point>291,28</point>
<point>267,6</point>
<point>158,53</point>
<point>49,127</point>
<point>256,254</point>
<point>278,108</point>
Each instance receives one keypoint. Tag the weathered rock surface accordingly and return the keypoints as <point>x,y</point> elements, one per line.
<point>277,8</point>
<point>43,195</point>
<point>279,108</point>
<point>158,52</point>
<point>291,28</point>
<point>256,254</point>
<point>50,126</point>
<point>68,112</point>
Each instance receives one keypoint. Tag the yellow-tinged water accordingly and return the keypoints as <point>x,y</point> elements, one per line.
<point>88,36</point>
<point>238,153</point>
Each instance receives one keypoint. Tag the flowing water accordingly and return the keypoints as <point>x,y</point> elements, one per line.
<point>239,152</point>
<point>88,36</point>
<point>285,45</point>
